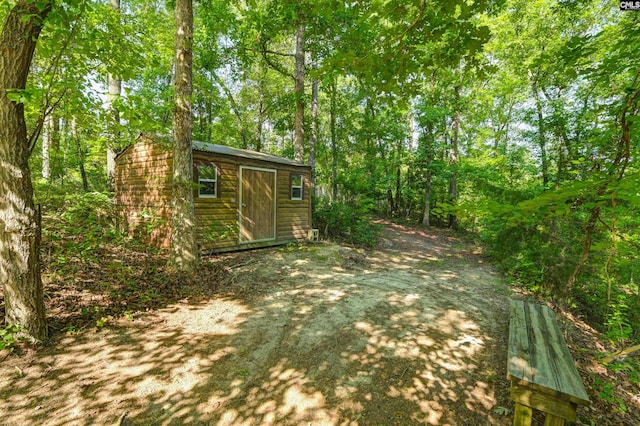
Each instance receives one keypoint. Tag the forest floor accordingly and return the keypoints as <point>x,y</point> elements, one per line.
<point>412,332</point>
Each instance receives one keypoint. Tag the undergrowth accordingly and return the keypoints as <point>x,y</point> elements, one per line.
<point>350,222</point>
<point>94,274</point>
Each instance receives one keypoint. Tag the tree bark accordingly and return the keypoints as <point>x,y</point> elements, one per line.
<point>19,218</point>
<point>542,140</point>
<point>184,248</point>
<point>46,147</point>
<point>113,121</point>
<point>314,135</point>
<point>453,156</point>
<point>298,142</point>
<point>79,150</point>
<point>334,142</point>
<point>427,199</point>
<point>427,190</point>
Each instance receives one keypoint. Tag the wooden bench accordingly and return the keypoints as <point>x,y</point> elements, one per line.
<point>541,370</point>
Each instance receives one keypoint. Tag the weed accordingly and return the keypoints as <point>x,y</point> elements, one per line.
<point>7,337</point>
<point>71,330</point>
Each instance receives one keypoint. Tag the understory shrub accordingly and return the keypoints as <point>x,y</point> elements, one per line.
<point>348,221</point>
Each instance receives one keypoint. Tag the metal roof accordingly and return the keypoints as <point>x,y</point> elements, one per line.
<point>243,153</point>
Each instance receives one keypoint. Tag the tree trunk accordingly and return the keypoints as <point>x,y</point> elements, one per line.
<point>113,122</point>
<point>542,137</point>
<point>453,157</point>
<point>261,112</point>
<point>79,150</point>
<point>298,143</point>
<point>236,110</point>
<point>427,199</point>
<point>314,135</point>
<point>19,218</point>
<point>334,143</point>
<point>184,248</point>
<point>57,159</point>
<point>427,189</point>
<point>46,147</point>
<point>398,197</point>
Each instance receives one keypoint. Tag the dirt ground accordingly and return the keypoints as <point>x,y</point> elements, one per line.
<point>413,332</point>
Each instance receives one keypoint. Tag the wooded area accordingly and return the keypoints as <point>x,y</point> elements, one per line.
<point>511,121</point>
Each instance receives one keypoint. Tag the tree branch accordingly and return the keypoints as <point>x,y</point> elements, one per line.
<point>265,55</point>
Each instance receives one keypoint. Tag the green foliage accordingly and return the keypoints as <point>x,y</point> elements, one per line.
<point>78,225</point>
<point>7,337</point>
<point>350,222</point>
<point>606,391</point>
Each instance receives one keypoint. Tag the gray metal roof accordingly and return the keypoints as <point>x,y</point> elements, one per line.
<point>243,153</point>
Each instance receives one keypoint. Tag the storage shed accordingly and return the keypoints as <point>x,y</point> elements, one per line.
<point>242,199</point>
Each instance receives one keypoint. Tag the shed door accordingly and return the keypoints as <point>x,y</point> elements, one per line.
<point>257,204</point>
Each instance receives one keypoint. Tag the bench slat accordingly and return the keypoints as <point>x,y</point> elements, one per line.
<point>538,353</point>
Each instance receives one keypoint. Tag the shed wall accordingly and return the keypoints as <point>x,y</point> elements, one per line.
<point>143,191</point>
<point>218,218</point>
<point>143,198</point>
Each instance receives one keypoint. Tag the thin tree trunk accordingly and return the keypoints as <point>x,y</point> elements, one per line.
<point>46,147</point>
<point>314,135</point>
<point>453,157</point>
<point>79,150</point>
<point>19,218</point>
<point>113,121</point>
<point>427,189</point>
<point>542,140</point>
<point>209,122</point>
<point>427,199</point>
<point>235,108</point>
<point>616,171</point>
<point>184,248</point>
<point>334,143</point>
<point>298,143</point>
<point>259,127</point>
<point>57,163</point>
<point>398,196</point>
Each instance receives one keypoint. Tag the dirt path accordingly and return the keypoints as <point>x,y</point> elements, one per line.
<point>411,333</point>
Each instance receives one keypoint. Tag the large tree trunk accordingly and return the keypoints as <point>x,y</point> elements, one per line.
<point>184,248</point>
<point>298,142</point>
<point>19,219</point>
<point>113,125</point>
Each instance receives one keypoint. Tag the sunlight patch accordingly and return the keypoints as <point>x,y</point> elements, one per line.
<point>217,317</point>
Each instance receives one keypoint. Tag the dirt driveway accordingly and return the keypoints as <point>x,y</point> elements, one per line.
<point>411,333</point>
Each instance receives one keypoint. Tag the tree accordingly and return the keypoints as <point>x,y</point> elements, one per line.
<point>19,218</point>
<point>115,88</point>
<point>184,248</point>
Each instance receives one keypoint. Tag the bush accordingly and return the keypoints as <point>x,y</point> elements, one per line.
<point>349,222</point>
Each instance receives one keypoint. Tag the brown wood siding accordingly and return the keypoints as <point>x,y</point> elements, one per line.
<point>217,218</point>
<point>143,191</point>
<point>143,198</point>
<point>294,216</point>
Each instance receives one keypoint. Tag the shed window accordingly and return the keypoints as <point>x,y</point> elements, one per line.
<point>296,187</point>
<point>208,180</point>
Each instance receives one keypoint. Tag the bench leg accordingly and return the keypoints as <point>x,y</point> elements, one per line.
<point>552,420</point>
<point>522,416</point>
